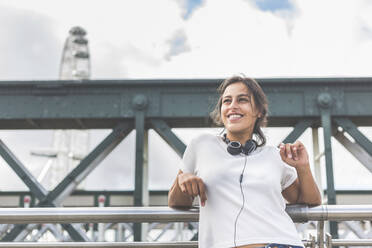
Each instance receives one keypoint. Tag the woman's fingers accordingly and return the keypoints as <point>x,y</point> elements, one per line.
<point>195,189</point>
<point>189,189</point>
<point>288,151</point>
<point>203,195</point>
<point>182,186</point>
<point>294,152</point>
<point>282,150</point>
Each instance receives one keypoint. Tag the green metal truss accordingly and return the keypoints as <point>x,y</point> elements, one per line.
<point>124,105</point>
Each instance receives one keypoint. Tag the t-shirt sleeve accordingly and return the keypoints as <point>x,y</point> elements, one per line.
<point>188,162</point>
<point>289,175</point>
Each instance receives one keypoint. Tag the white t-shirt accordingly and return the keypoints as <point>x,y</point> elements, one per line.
<point>263,219</point>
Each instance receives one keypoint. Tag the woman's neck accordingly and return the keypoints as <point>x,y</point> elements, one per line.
<point>242,138</point>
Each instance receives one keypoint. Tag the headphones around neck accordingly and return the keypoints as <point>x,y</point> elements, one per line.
<point>235,148</point>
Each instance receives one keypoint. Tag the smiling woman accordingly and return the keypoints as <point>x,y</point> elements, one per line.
<point>241,182</point>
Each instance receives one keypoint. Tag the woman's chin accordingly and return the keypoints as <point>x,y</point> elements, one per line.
<point>235,130</point>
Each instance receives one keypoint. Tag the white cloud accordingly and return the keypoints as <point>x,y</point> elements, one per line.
<point>135,32</point>
<point>131,39</point>
<point>321,39</point>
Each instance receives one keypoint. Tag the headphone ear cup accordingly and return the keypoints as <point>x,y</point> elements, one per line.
<point>249,147</point>
<point>234,148</point>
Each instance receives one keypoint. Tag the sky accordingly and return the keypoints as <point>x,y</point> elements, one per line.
<point>183,39</point>
<point>190,38</point>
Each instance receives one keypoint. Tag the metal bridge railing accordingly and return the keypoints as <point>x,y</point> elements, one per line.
<point>299,213</point>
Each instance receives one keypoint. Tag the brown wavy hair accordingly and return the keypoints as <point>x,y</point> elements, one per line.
<point>260,100</point>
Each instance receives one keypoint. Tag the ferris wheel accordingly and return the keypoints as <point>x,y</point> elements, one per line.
<point>75,63</point>
<point>69,146</point>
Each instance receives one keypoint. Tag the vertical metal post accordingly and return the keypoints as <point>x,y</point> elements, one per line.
<point>101,226</point>
<point>145,182</point>
<point>325,103</point>
<point>316,159</point>
<point>320,234</point>
<point>139,104</point>
<point>119,233</point>
<point>329,240</point>
<point>179,231</point>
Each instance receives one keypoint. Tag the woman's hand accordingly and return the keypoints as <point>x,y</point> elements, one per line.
<point>295,155</point>
<point>304,189</point>
<point>192,185</point>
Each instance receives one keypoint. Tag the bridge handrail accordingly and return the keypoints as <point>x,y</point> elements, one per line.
<point>299,213</point>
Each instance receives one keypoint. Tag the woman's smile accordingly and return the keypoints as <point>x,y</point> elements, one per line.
<point>235,117</point>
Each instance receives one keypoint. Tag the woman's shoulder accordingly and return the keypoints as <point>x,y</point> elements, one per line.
<point>204,137</point>
<point>273,153</point>
<point>269,149</point>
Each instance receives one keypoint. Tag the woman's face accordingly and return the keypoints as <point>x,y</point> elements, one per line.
<point>238,110</point>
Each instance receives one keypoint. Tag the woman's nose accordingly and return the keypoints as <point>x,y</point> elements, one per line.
<point>234,104</point>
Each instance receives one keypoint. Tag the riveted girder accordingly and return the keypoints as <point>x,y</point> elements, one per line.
<point>69,183</point>
<point>180,102</point>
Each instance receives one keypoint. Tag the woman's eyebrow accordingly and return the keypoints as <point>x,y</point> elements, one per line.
<point>228,96</point>
<point>244,95</point>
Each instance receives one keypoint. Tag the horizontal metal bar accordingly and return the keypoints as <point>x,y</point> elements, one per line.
<point>301,213</point>
<point>154,193</point>
<point>96,215</point>
<point>192,82</point>
<point>352,242</point>
<point>189,244</point>
<point>298,213</point>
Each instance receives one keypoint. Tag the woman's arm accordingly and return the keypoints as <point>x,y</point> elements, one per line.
<point>184,189</point>
<point>304,189</point>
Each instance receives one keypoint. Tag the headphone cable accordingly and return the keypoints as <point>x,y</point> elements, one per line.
<point>241,190</point>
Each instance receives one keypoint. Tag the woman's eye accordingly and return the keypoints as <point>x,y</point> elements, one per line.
<point>243,99</point>
<point>226,100</point>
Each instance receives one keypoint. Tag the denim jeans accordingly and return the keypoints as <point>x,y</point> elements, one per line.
<point>274,245</point>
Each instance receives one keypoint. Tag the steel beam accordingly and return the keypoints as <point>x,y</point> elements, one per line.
<point>140,130</point>
<point>162,128</point>
<point>31,182</point>
<point>352,129</point>
<point>140,105</point>
<point>325,104</point>
<point>331,193</point>
<point>298,130</point>
<point>36,188</point>
<point>87,165</point>
<point>139,170</point>
<point>355,149</point>
<point>179,102</point>
<point>64,188</point>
